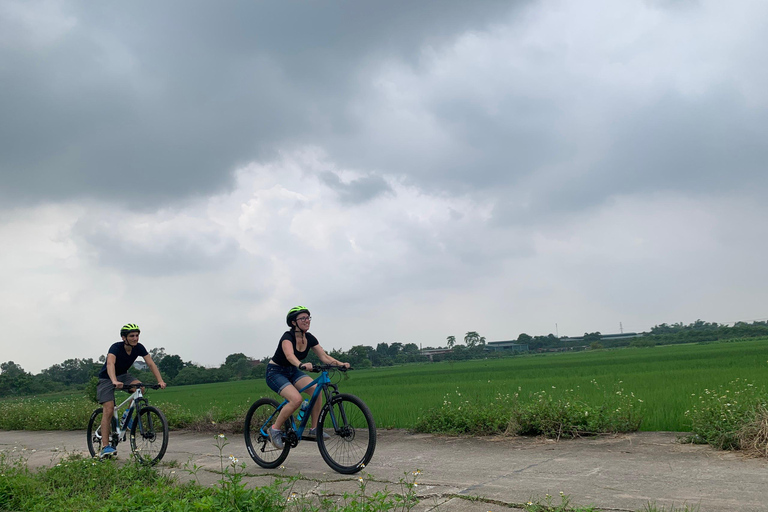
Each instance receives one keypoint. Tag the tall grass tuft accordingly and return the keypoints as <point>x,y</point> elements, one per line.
<point>729,415</point>
<point>555,413</point>
<point>753,437</point>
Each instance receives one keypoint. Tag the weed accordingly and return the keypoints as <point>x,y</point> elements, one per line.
<point>729,414</point>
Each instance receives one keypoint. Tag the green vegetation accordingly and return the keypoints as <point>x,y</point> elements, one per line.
<point>79,373</point>
<point>108,486</point>
<point>89,485</point>
<point>731,416</point>
<point>668,379</point>
<point>555,414</point>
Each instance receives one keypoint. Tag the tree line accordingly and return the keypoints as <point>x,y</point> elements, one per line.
<point>81,373</point>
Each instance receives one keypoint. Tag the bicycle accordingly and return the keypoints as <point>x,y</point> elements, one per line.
<point>346,419</point>
<point>147,425</point>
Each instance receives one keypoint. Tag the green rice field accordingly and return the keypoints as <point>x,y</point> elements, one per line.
<point>668,380</point>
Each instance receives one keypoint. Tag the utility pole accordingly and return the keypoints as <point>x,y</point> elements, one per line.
<point>621,328</point>
<point>557,332</point>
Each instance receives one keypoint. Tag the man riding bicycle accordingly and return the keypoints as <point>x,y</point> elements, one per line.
<point>114,375</point>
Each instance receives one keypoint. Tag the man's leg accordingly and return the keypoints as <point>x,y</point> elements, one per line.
<point>106,422</point>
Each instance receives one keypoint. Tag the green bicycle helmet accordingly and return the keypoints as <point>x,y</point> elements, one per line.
<point>129,328</point>
<point>293,313</point>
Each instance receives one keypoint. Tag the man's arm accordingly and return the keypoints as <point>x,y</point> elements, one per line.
<point>155,371</point>
<point>111,358</point>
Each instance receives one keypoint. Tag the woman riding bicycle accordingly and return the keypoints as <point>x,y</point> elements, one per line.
<point>284,375</point>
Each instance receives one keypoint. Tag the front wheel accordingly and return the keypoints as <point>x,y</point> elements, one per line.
<point>94,433</point>
<point>258,421</point>
<point>149,435</point>
<point>352,434</point>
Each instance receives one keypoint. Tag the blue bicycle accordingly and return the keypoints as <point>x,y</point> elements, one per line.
<point>345,419</point>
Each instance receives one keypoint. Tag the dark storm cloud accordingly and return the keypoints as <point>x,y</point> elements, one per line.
<point>713,144</point>
<point>162,100</point>
<point>356,191</point>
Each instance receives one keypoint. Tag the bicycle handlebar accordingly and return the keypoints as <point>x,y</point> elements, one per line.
<point>325,367</point>
<point>135,385</point>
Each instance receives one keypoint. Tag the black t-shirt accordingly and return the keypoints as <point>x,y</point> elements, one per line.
<point>279,356</point>
<point>123,360</point>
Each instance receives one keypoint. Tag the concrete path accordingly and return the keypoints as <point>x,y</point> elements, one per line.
<point>617,473</point>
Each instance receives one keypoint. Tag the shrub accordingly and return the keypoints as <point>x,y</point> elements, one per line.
<point>553,414</point>
<point>729,415</point>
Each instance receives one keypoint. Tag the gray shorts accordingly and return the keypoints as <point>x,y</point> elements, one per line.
<point>105,391</point>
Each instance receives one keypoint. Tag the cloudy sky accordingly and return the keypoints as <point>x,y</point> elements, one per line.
<point>408,171</point>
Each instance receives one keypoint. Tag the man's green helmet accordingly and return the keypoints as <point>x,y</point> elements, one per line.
<point>129,328</point>
<point>293,313</point>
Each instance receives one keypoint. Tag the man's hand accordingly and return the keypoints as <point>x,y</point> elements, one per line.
<point>118,384</point>
<point>162,384</point>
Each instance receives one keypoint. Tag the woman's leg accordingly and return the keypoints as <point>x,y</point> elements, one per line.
<point>290,393</point>
<point>315,413</point>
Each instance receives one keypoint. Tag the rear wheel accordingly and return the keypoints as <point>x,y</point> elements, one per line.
<point>94,432</point>
<point>258,421</point>
<point>149,435</point>
<point>352,440</point>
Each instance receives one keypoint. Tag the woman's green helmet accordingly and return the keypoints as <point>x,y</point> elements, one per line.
<point>293,313</point>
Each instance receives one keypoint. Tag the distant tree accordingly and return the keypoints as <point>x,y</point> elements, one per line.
<point>157,354</point>
<point>12,370</point>
<point>170,366</point>
<point>411,349</point>
<point>451,341</point>
<point>242,368</point>
<point>595,345</point>
<point>472,339</point>
<point>524,338</point>
<point>357,356</point>
<point>71,371</point>
<point>15,381</point>
<point>592,336</point>
<point>234,358</point>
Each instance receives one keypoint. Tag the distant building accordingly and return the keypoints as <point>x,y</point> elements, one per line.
<point>606,337</point>
<point>506,346</point>
<point>429,352</point>
<point>140,365</point>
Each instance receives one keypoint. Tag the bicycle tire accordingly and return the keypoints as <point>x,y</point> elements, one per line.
<point>94,432</point>
<point>259,446</point>
<point>150,440</point>
<point>350,447</point>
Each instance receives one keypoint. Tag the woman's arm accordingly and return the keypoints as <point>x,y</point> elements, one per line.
<point>325,358</point>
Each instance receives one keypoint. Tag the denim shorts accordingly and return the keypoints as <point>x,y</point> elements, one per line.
<point>280,376</point>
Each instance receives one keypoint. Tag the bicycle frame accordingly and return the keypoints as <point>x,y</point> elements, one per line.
<point>137,401</point>
<point>324,386</point>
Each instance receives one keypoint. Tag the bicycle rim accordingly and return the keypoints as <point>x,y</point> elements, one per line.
<point>149,435</point>
<point>352,441</point>
<point>94,432</point>
<point>258,421</point>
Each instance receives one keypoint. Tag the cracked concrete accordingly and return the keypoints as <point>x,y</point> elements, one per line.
<point>615,473</point>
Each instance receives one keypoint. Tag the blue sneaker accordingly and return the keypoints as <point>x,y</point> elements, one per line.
<point>108,453</point>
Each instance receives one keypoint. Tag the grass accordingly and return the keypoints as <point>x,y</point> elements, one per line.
<point>90,485</point>
<point>108,486</point>
<point>668,379</point>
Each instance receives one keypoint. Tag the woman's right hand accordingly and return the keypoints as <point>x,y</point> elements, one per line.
<point>306,367</point>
